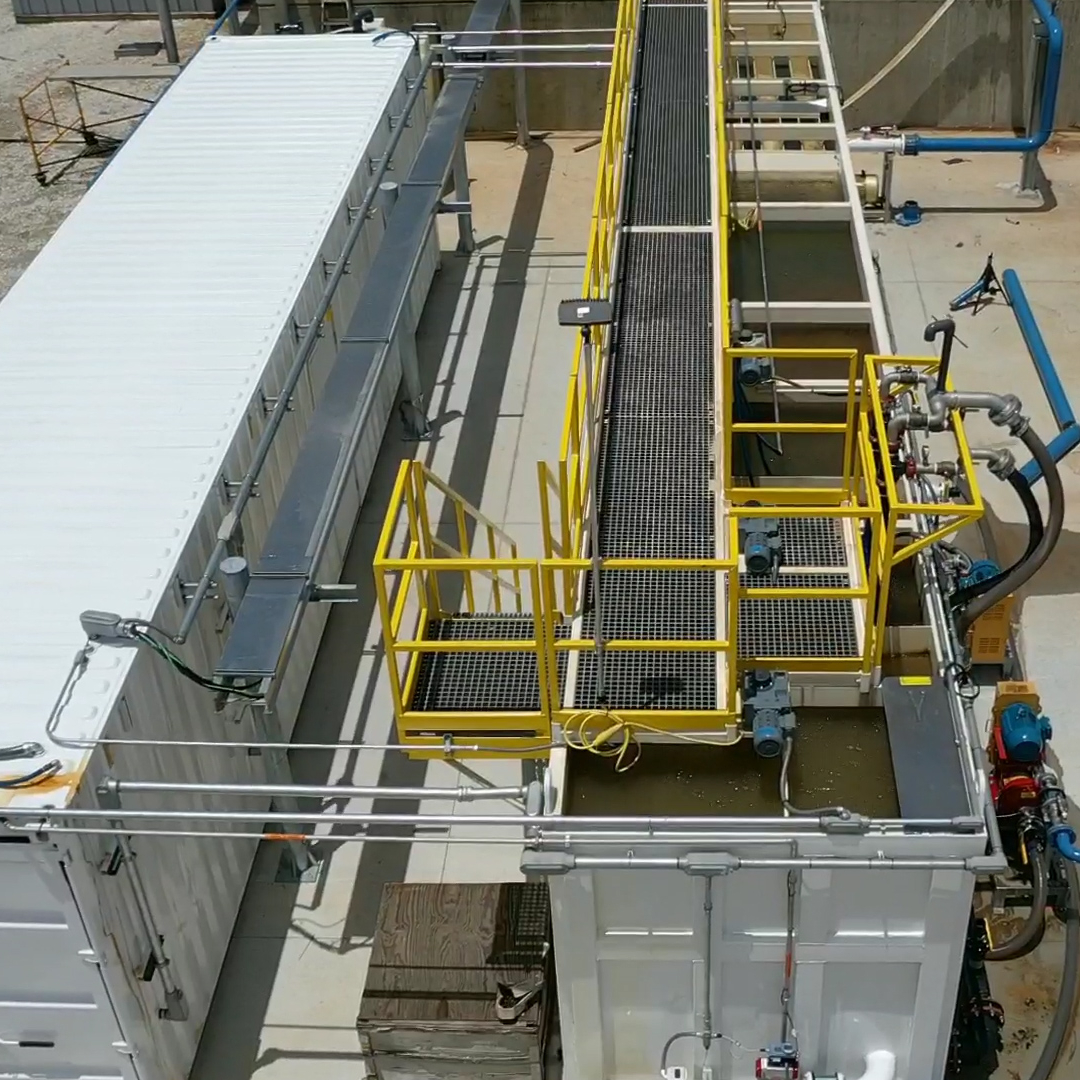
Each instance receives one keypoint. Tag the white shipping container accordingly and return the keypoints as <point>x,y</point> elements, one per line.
<point>137,355</point>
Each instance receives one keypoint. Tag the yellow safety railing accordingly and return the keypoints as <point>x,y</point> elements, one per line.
<point>723,168</point>
<point>569,480</point>
<point>853,498</point>
<point>656,717</point>
<point>468,564</point>
<point>950,517</point>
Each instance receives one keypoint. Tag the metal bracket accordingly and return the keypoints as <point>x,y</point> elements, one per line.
<point>335,594</point>
<point>299,329</point>
<point>231,488</point>
<point>110,867</point>
<point>330,265</point>
<point>186,590</point>
<point>269,403</point>
<point>451,206</point>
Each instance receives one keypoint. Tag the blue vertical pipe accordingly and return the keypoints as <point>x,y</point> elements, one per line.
<point>918,144</point>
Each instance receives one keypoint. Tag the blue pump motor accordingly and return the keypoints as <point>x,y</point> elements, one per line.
<point>981,570</point>
<point>755,370</point>
<point>1024,733</point>
<point>767,710</point>
<point>762,545</point>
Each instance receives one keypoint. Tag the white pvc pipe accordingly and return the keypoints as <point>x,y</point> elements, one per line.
<point>877,144</point>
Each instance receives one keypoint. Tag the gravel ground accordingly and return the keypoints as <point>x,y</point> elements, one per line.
<point>29,52</point>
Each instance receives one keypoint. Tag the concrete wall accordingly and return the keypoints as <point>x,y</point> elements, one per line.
<point>969,72</point>
<point>565,99</point>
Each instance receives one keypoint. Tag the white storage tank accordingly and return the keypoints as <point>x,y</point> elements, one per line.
<point>140,356</point>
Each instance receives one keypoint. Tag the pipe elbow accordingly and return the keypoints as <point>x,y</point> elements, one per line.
<point>1064,839</point>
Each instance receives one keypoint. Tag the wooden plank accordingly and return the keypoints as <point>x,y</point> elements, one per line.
<point>439,953</point>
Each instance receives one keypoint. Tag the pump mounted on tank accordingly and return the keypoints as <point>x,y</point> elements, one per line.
<point>761,544</point>
<point>767,711</point>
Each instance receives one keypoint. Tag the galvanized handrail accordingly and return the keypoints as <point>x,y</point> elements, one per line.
<point>246,488</point>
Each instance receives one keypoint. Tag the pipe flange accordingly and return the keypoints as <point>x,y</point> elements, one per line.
<point>1002,464</point>
<point>1010,415</point>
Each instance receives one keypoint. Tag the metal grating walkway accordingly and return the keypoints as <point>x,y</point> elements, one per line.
<point>656,463</point>
<point>656,458</point>
<point>669,181</point>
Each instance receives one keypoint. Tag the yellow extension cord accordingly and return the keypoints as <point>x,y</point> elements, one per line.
<point>617,738</point>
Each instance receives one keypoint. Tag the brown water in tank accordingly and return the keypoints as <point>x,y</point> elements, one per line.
<point>841,758</point>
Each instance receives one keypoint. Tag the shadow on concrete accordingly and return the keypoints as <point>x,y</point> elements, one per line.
<point>1060,576</point>
<point>229,1049</point>
<point>383,863</point>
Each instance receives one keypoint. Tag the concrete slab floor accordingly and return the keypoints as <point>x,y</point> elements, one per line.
<point>496,365</point>
<point>972,210</point>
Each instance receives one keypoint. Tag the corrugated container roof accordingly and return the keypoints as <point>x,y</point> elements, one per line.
<point>132,345</point>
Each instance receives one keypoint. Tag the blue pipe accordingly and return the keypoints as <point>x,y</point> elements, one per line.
<point>1064,839</point>
<point>1059,447</point>
<point>1055,392</point>
<point>232,8</point>
<point>917,144</point>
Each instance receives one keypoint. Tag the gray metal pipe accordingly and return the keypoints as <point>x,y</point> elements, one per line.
<point>168,31</point>
<point>785,826</point>
<point>328,791</point>
<point>303,353</point>
<point>496,64</point>
<point>811,862</point>
<point>902,378</point>
<point>569,46</point>
<point>545,32</point>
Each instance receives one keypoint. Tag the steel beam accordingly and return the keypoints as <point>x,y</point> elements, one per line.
<point>281,580</point>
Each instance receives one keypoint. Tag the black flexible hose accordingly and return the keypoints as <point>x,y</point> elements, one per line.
<point>1035,534</point>
<point>1069,992</point>
<point>1020,944</point>
<point>1045,546</point>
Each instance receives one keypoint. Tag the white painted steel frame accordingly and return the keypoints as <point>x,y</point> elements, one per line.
<point>256,153</point>
<point>878,952</point>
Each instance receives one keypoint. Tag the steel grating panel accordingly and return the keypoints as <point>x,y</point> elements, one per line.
<point>798,628</point>
<point>654,680</point>
<point>813,541</point>
<point>480,681</point>
<point>664,345</point>
<point>670,181</point>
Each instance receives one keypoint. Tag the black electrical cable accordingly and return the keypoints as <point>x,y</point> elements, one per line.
<point>139,631</point>
<point>30,779</point>
<point>1035,534</point>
